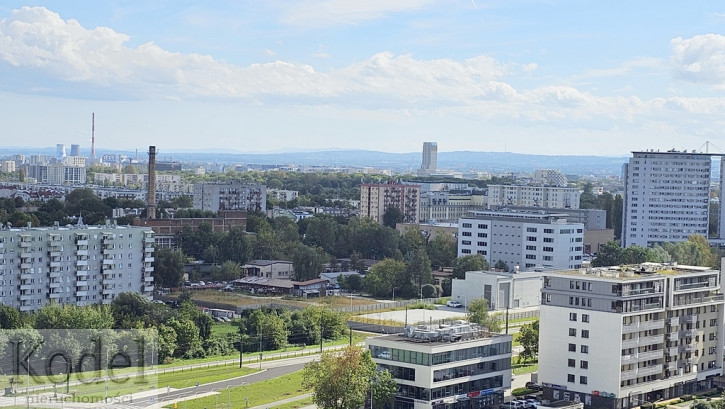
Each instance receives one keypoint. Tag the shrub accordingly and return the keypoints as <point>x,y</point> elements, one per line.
<point>421,306</point>
<point>522,391</point>
<point>685,398</point>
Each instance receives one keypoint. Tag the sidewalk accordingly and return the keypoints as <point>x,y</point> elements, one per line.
<point>283,401</point>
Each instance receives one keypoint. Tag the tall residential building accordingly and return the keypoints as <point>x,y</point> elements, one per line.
<point>375,199</point>
<point>619,337</point>
<point>449,206</point>
<point>456,366</point>
<point>430,158</point>
<point>528,240</point>
<point>550,197</point>
<point>248,197</point>
<point>74,265</point>
<point>667,197</point>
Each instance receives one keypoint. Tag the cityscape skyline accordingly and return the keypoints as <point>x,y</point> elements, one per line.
<point>388,76</point>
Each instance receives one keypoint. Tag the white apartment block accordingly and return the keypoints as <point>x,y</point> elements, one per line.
<point>74,265</point>
<point>164,182</point>
<point>249,197</point>
<point>375,199</point>
<point>667,197</point>
<point>528,240</point>
<point>7,166</point>
<point>283,195</point>
<point>614,338</point>
<point>456,366</point>
<point>550,197</point>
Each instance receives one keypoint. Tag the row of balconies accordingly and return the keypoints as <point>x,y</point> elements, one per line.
<point>640,372</point>
<point>642,356</point>
<point>642,341</point>
<point>643,326</point>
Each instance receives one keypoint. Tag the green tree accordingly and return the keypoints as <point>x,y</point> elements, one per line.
<point>418,266</point>
<point>83,202</point>
<point>167,343</point>
<point>228,271</point>
<point>383,276</point>
<point>529,339</point>
<point>610,254</point>
<point>442,251</point>
<point>342,380</point>
<point>412,240</point>
<point>10,318</point>
<point>501,265</point>
<point>472,262</point>
<point>478,313</point>
<point>55,316</point>
<point>308,263</point>
<point>187,338</point>
<point>392,216</point>
<point>169,267</point>
<point>428,291</point>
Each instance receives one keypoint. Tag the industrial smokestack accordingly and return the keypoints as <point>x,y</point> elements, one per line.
<point>151,194</point>
<point>93,137</point>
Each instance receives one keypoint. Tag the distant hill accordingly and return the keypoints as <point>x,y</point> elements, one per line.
<point>400,162</point>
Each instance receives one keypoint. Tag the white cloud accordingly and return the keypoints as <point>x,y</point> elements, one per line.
<point>648,64</point>
<point>700,59</point>
<point>321,13</point>
<point>62,54</point>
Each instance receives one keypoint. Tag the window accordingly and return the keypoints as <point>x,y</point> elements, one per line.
<point>531,248</point>
<point>572,363</point>
<point>549,231</point>
<point>570,378</point>
<point>572,332</point>
<point>483,226</point>
<point>572,347</point>
<point>467,225</point>
<point>548,249</point>
<point>531,229</point>
<point>585,317</point>
<point>583,380</point>
<point>585,349</point>
<point>466,242</point>
<point>584,364</point>
<point>530,238</point>
<point>466,234</point>
<point>548,240</point>
<point>531,256</point>
<point>585,333</point>
<point>572,316</point>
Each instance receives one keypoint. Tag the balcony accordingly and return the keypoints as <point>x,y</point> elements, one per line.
<point>26,297</point>
<point>670,366</point>
<point>643,326</point>
<point>674,321</point>
<point>82,293</point>
<point>81,242</point>
<point>81,284</point>
<point>81,263</point>
<point>646,356</point>
<point>148,240</point>
<point>148,279</point>
<point>148,288</point>
<point>26,265</point>
<point>26,307</point>
<point>690,319</point>
<point>82,252</point>
<point>628,359</point>
<point>654,339</point>
<point>82,273</point>
<point>108,262</point>
<point>55,254</point>
<point>55,274</point>
<point>688,348</point>
<point>673,351</point>
<point>148,260</point>
<point>56,295</point>
<point>691,286</point>
<point>688,333</point>
<point>25,244</point>
<point>26,286</point>
<point>630,343</point>
<point>55,284</point>
<point>650,370</point>
<point>148,269</point>
<point>107,291</point>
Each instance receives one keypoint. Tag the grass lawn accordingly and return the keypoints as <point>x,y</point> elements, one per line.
<point>523,368</point>
<point>258,393</point>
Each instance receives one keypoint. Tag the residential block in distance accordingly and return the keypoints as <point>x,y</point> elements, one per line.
<point>376,198</point>
<point>617,338</point>
<point>74,265</point>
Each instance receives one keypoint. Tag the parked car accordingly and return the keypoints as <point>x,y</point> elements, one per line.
<point>533,386</point>
<point>531,403</point>
<point>454,304</point>
<point>514,404</point>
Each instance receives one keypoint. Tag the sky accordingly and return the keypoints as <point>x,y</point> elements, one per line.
<point>541,77</point>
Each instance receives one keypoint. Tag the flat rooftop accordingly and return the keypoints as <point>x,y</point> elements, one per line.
<point>634,272</point>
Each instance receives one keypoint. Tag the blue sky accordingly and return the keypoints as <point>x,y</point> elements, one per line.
<point>547,77</point>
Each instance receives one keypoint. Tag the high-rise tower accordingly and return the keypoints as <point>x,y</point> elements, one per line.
<point>430,158</point>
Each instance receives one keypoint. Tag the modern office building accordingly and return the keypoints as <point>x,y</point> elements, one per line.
<point>527,240</point>
<point>550,197</point>
<point>619,337</point>
<point>430,158</point>
<point>74,265</point>
<point>667,197</point>
<point>457,366</point>
<point>376,199</point>
<point>248,197</point>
